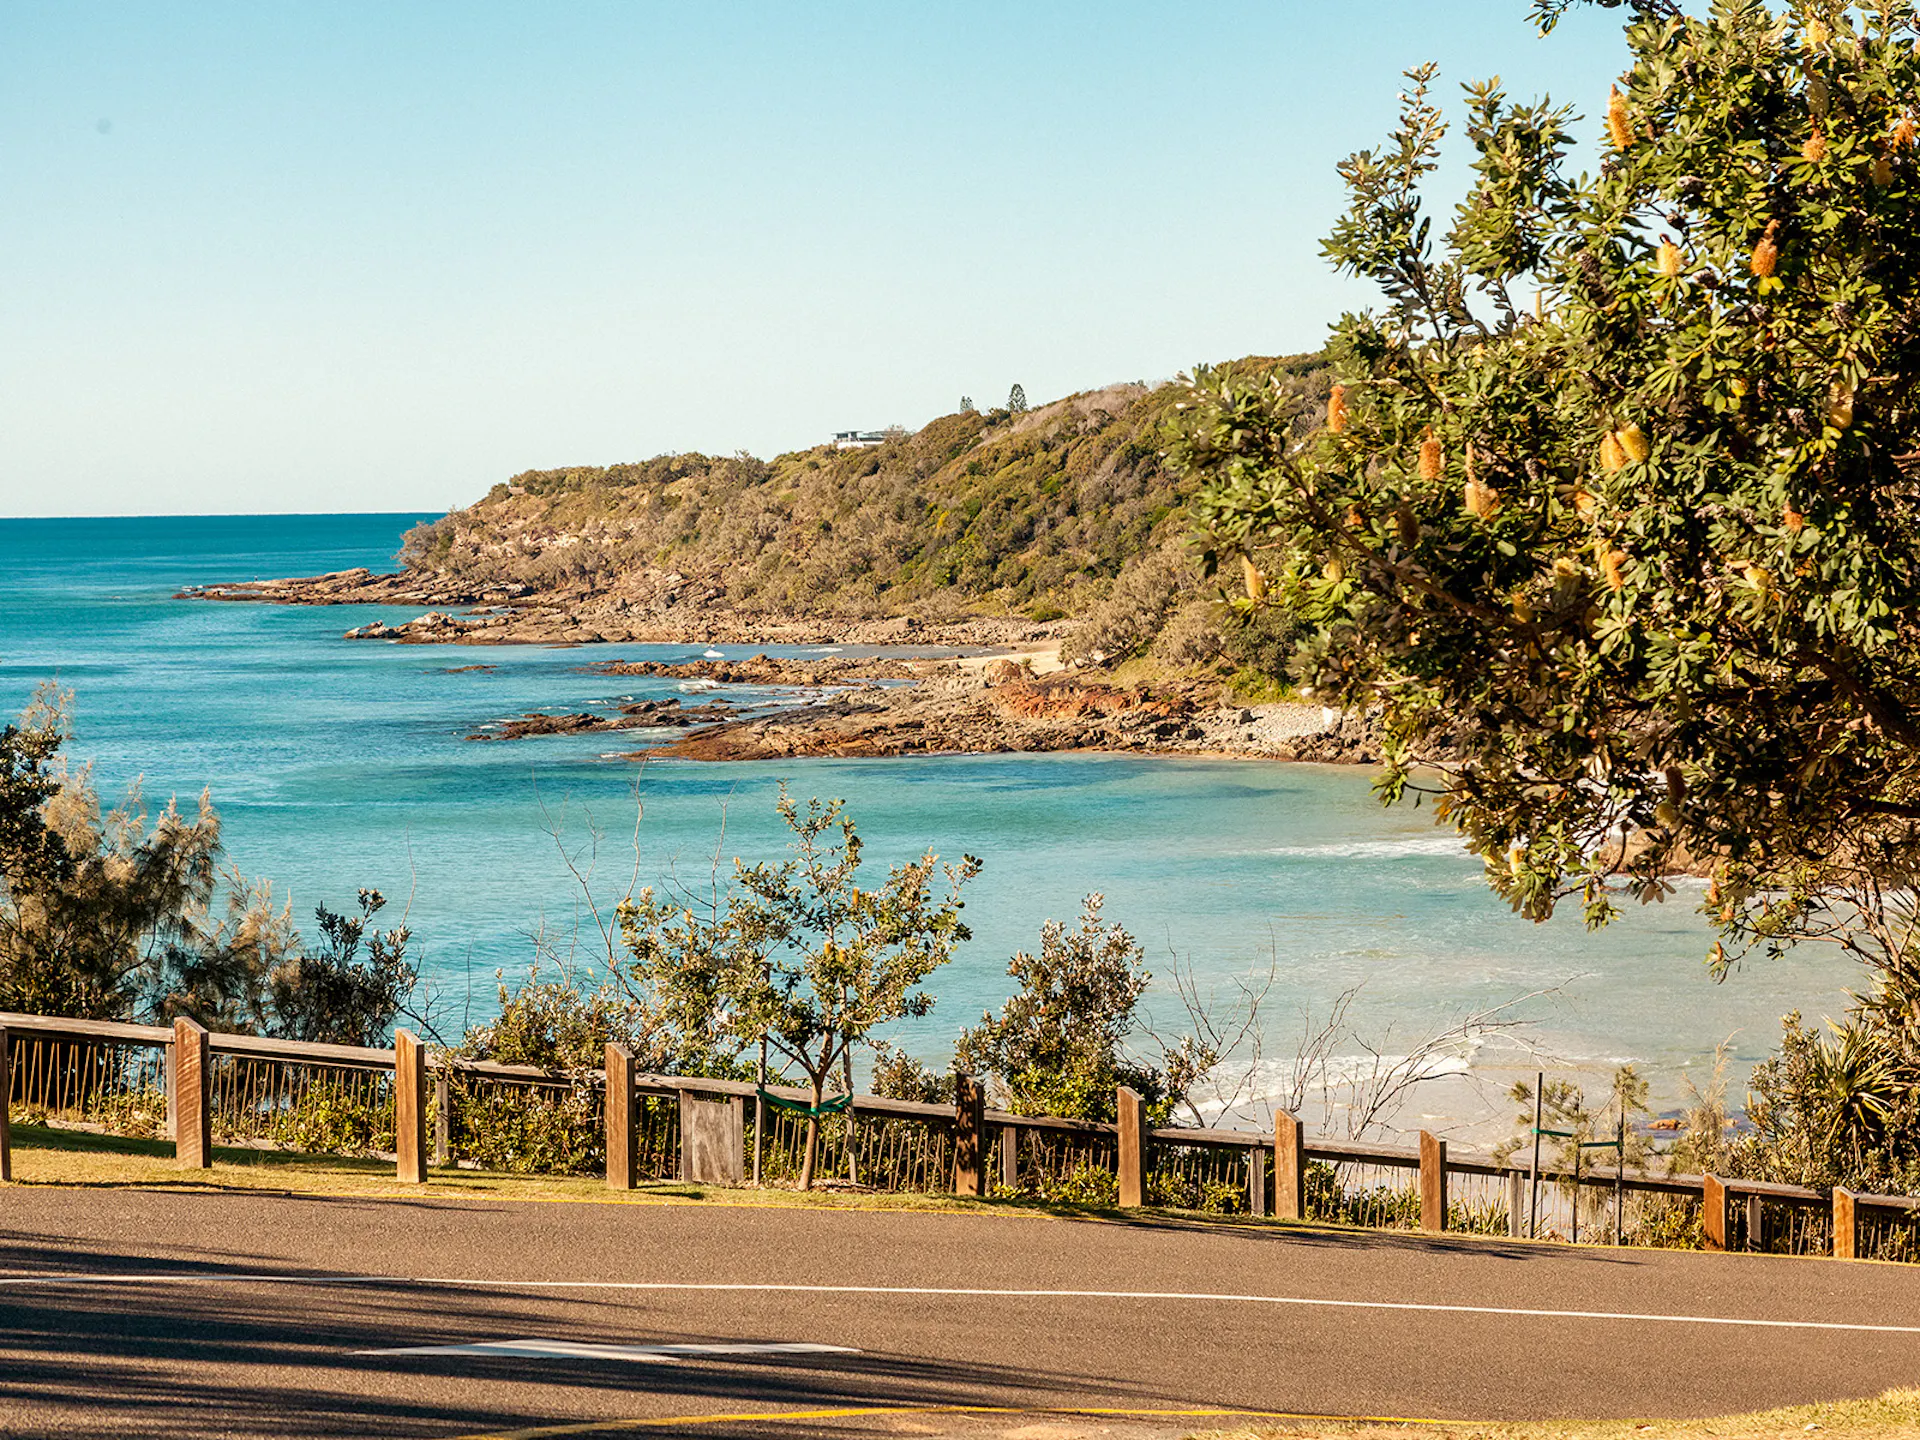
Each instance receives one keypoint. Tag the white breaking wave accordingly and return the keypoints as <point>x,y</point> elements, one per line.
<point>693,687</point>
<point>714,654</point>
<point>1378,849</point>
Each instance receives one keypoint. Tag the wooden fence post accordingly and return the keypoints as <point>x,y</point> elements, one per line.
<point>409,1108</point>
<point>1289,1167</point>
<point>1756,1225</point>
<point>1516,1204</point>
<point>1009,1157</point>
<point>1257,1180</point>
<point>442,1118</point>
<point>621,1161</point>
<point>192,1081</point>
<point>1433,1182</point>
<point>1846,1225</point>
<point>6,1103</point>
<point>969,1135</point>
<point>1133,1148</point>
<point>1713,1212</point>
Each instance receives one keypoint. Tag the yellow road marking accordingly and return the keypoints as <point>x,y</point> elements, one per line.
<point>607,1427</point>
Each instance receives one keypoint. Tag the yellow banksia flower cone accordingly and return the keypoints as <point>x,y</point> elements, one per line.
<point>1516,859</point>
<point>1522,608</point>
<point>1618,125</point>
<point>1792,519</point>
<point>1584,505</point>
<point>1766,255</point>
<point>1903,132</point>
<point>1612,457</point>
<point>1337,409</point>
<point>1432,458</point>
<point>1335,569</point>
<point>1634,443</point>
<point>1481,500</point>
<point>1817,34</point>
<point>1255,578</point>
<point>1840,405</point>
<point>1815,150</point>
<point>1610,564</point>
<point>1668,260</point>
<point>1881,172</point>
<point>1355,520</point>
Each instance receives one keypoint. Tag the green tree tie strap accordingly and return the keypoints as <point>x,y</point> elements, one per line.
<point>836,1105</point>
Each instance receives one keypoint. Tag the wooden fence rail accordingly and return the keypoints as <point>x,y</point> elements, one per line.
<point>965,1148</point>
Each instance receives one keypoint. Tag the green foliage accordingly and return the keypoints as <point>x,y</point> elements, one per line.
<point>108,915</point>
<point>332,1118</point>
<point>1841,1108</point>
<point>798,954</point>
<point>1057,1047</point>
<point>531,1131</point>
<point>1645,558</point>
<point>975,514</point>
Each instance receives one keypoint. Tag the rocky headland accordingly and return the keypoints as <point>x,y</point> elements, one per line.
<point>890,707</point>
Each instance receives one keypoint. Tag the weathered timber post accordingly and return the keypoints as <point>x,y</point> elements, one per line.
<point>1009,1157</point>
<point>1756,1225</point>
<point>1713,1212</point>
<point>1846,1225</point>
<point>1516,1204</point>
<point>192,1081</point>
<point>1133,1148</point>
<point>1433,1182</point>
<point>1257,1180</point>
<point>969,1135</point>
<point>6,1103</point>
<point>409,1108</point>
<point>442,1118</point>
<point>621,1161</point>
<point>1289,1167</point>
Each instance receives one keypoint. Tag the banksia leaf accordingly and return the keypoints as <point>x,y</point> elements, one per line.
<point>1432,457</point>
<point>1612,457</point>
<point>1667,814</point>
<point>1818,94</point>
<point>1668,260</point>
<point>1337,409</point>
<point>1766,254</point>
<point>1255,578</point>
<point>1618,126</point>
<point>1634,442</point>
<point>1881,172</point>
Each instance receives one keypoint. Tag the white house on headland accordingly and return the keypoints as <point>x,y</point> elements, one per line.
<point>857,439</point>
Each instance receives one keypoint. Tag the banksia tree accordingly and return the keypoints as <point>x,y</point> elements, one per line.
<point>1694,613</point>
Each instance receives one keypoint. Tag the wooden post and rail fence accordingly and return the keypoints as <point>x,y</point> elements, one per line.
<point>39,1055</point>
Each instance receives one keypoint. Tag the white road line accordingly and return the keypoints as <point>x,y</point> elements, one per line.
<point>962,1292</point>
<point>579,1350</point>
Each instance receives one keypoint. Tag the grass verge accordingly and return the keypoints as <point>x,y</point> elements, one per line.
<point>1892,1416</point>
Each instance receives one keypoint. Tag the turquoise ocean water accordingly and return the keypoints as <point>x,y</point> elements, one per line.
<point>337,765</point>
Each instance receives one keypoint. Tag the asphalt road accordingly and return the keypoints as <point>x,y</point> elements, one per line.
<point>176,1313</point>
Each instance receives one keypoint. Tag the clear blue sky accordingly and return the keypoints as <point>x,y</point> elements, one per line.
<point>268,257</point>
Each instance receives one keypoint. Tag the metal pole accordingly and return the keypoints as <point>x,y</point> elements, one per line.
<point>1533,1201</point>
<point>759,1111</point>
<point>1620,1182</point>
<point>1578,1150</point>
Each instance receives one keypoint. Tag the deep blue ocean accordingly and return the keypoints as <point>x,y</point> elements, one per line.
<point>338,764</point>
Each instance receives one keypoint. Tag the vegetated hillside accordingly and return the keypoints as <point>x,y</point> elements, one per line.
<point>1041,515</point>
